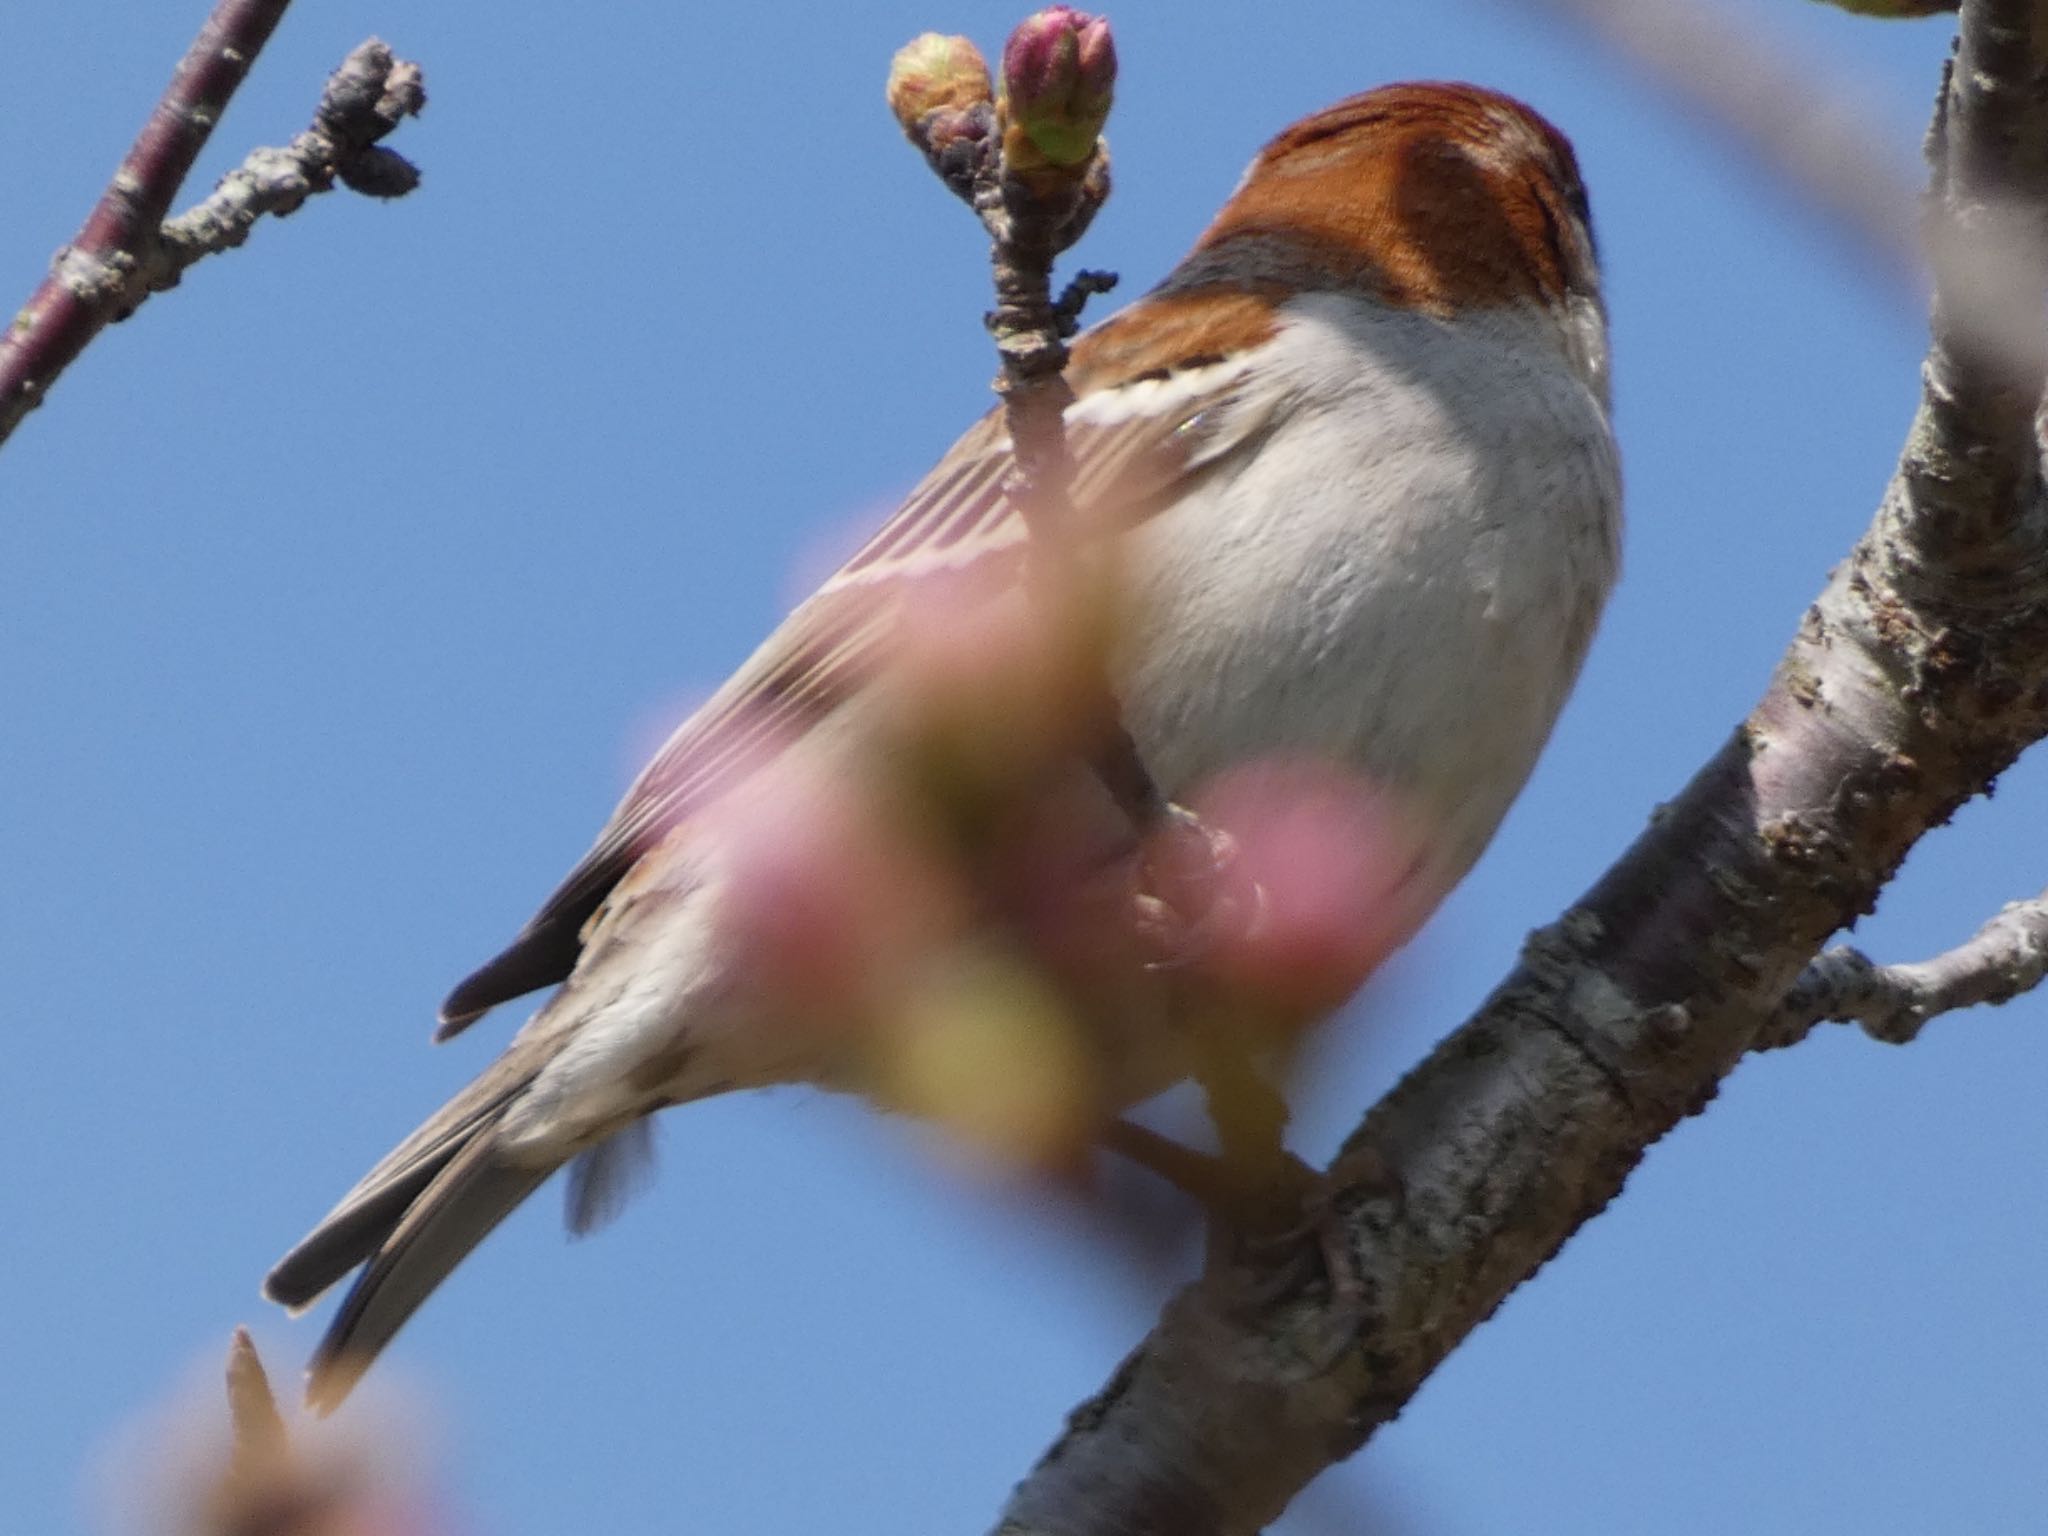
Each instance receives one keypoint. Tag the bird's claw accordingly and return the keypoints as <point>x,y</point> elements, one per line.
<point>1266,1265</point>
<point>1192,895</point>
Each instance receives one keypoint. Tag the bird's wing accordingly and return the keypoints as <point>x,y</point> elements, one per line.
<point>1134,447</point>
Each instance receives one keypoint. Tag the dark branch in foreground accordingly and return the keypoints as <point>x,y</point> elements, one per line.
<point>127,250</point>
<point>1917,676</point>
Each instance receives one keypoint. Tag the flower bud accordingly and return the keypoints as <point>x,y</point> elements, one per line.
<point>1059,74</point>
<point>1333,864</point>
<point>932,74</point>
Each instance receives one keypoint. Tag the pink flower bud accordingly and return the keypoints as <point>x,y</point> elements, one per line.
<point>1059,73</point>
<point>828,895</point>
<point>1334,862</point>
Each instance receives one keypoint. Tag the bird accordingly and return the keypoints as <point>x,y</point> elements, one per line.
<point>1355,456</point>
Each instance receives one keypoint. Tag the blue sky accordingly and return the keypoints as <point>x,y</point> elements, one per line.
<point>342,589</point>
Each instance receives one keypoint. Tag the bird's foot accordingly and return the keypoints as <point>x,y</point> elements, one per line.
<point>1192,896</point>
<point>1315,1256</point>
<point>1274,1233</point>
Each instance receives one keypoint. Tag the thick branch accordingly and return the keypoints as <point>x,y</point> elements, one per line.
<point>2008,956</point>
<point>1972,488</point>
<point>1886,713</point>
<point>1985,235</point>
<point>127,251</point>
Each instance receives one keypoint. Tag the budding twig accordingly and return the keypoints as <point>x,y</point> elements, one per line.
<point>1032,165</point>
<point>127,251</point>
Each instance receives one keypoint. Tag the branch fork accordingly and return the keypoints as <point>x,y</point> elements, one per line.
<point>130,248</point>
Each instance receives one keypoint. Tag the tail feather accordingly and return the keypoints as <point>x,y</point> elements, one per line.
<point>475,1190</point>
<point>356,1229</point>
<point>368,1214</point>
<point>414,1216</point>
<point>543,954</point>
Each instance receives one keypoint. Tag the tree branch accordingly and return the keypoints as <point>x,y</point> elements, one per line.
<point>126,251</point>
<point>1916,677</point>
<point>267,1484</point>
<point>365,99</point>
<point>2008,956</point>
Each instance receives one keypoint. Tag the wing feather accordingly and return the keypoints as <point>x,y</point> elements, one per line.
<point>1131,455</point>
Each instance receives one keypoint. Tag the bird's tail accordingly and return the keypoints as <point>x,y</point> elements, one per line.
<point>408,1223</point>
<point>466,1200</point>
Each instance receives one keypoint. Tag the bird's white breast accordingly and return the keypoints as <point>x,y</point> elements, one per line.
<point>1403,575</point>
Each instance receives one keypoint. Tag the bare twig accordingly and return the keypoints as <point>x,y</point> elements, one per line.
<point>1918,675</point>
<point>1061,64</point>
<point>365,99</point>
<point>270,1486</point>
<point>126,251</point>
<point>2005,958</point>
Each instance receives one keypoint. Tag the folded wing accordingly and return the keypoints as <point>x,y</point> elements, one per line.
<point>1128,462</point>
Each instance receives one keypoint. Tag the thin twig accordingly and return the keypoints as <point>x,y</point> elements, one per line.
<point>1028,231</point>
<point>365,99</point>
<point>272,1487</point>
<point>1031,329</point>
<point>1030,221</point>
<point>87,285</point>
<point>126,251</point>
<point>2004,959</point>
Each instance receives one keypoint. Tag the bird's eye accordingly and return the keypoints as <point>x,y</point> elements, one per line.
<point>1573,191</point>
<point>1575,199</point>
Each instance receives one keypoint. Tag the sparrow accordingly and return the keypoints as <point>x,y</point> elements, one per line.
<point>1354,458</point>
